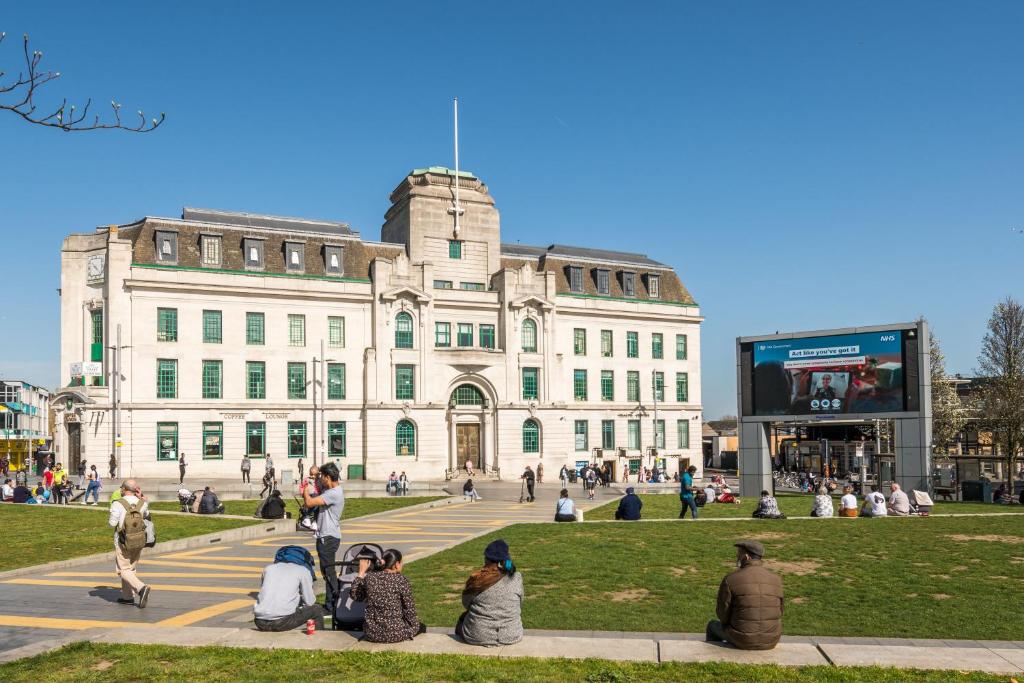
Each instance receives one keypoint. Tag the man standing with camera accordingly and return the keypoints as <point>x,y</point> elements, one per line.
<point>331,502</point>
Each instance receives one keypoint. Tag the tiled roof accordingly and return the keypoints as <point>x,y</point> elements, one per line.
<point>262,221</point>
<point>568,252</point>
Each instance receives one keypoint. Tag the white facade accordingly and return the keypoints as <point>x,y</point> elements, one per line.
<point>496,291</point>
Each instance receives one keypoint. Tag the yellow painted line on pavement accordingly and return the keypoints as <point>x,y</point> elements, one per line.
<point>276,540</point>
<point>190,554</point>
<point>213,566</point>
<point>163,575</point>
<point>66,624</point>
<point>189,618</point>
<point>171,588</point>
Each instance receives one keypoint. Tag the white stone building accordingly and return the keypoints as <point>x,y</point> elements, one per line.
<point>260,334</point>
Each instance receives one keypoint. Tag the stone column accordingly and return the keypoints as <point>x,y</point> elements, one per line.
<point>453,448</point>
<point>487,440</point>
<point>913,438</point>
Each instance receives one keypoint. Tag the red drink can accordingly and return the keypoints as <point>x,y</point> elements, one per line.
<point>310,627</point>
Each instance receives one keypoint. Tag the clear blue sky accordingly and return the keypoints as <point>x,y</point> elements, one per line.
<point>802,165</point>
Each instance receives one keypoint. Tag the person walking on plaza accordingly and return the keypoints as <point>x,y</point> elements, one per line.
<point>268,483</point>
<point>563,476</point>
<point>331,504</point>
<point>48,480</point>
<point>112,466</point>
<point>246,468</point>
<point>591,482</point>
<point>390,608</point>
<point>530,481</point>
<point>5,465</point>
<point>268,467</point>
<point>81,474</point>
<point>899,503</point>
<point>127,517</point>
<point>493,600</point>
<point>287,599</point>
<point>94,487</point>
<point>302,469</point>
<point>540,473</point>
<point>629,506</point>
<point>686,497</point>
<point>750,603</point>
<point>60,480</point>
<point>181,468</point>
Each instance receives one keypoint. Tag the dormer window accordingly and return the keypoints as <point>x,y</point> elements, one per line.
<point>654,286</point>
<point>166,246</point>
<point>575,279</point>
<point>253,250</point>
<point>295,256</point>
<point>333,261</point>
<point>603,282</point>
<point>211,251</point>
<point>628,283</point>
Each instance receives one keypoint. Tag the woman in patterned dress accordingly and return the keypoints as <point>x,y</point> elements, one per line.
<point>390,608</point>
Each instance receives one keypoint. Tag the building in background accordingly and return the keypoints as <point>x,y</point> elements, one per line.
<point>236,333</point>
<point>24,422</point>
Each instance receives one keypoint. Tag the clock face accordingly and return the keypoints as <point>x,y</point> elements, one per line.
<point>95,266</point>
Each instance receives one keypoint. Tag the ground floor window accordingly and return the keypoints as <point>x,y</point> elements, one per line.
<point>213,440</point>
<point>405,438</point>
<point>167,441</point>
<point>256,439</point>
<point>336,442</point>
<point>296,439</point>
<point>633,435</point>
<point>531,437</point>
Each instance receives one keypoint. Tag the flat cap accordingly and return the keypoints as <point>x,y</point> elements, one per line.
<point>755,548</point>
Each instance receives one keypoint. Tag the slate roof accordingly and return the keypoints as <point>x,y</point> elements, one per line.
<point>265,222</point>
<point>569,253</point>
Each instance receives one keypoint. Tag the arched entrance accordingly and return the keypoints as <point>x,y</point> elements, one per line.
<point>469,419</point>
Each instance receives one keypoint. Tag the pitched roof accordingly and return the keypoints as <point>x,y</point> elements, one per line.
<point>266,222</point>
<point>569,253</point>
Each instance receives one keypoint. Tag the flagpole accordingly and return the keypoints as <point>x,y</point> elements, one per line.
<point>457,209</point>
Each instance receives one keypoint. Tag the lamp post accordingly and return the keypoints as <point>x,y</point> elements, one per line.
<point>322,361</point>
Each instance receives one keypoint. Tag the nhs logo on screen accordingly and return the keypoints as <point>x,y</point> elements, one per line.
<point>887,338</point>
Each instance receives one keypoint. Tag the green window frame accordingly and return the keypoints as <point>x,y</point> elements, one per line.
<point>256,439</point>
<point>683,433</point>
<point>405,383</point>
<point>607,385</point>
<point>455,249</point>
<point>579,341</point>
<point>680,347</point>
<point>254,329</point>
<point>336,331</point>
<point>580,433</point>
<point>213,441</point>
<point>255,379</point>
<point>166,440</point>
<point>632,345</point>
<point>296,329</point>
<point>487,336</point>
<point>442,284</point>
<point>633,386</point>
<point>442,335</point>
<point>166,378</point>
<point>659,386</point>
<point>579,385</point>
<point>530,383</point>
<point>213,377</point>
<point>213,329</point>
<point>296,380</point>
<point>659,434</point>
<point>167,324</point>
<point>608,434</point>
<point>633,435</point>
<point>403,331</point>
<point>607,344</point>
<point>531,436</point>
<point>682,387</point>
<point>472,286</point>
<point>337,439</point>
<point>657,345</point>
<point>405,438</point>
<point>296,439</point>
<point>336,381</point>
<point>468,395</point>
<point>529,336</point>
<point>465,334</point>
<point>96,350</point>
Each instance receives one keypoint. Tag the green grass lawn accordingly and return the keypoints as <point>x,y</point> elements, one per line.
<point>36,536</point>
<point>87,662</point>
<point>666,506</point>
<point>934,577</point>
<point>354,507</point>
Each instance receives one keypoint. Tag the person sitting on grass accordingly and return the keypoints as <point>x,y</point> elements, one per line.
<point>565,508</point>
<point>21,494</point>
<point>874,504</point>
<point>768,507</point>
<point>493,598</point>
<point>286,598</point>
<point>210,504</point>
<point>469,491</point>
<point>629,506</point>
<point>727,496</point>
<point>8,491</point>
<point>273,508</point>
<point>899,503</point>
<point>822,503</point>
<point>848,503</point>
<point>390,608</point>
<point>750,603</point>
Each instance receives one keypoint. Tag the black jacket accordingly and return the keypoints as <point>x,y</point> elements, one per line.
<point>629,507</point>
<point>209,504</point>
<point>273,509</point>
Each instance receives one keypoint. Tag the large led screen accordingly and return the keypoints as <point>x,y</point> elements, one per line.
<point>849,373</point>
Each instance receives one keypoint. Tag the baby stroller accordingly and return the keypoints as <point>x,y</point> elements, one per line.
<point>348,614</point>
<point>186,499</point>
<point>307,517</point>
<point>921,504</point>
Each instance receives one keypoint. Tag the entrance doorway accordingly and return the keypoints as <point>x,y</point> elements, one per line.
<point>467,439</point>
<point>74,446</point>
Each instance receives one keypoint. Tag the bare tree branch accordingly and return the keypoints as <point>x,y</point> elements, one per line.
<point>66,117</point>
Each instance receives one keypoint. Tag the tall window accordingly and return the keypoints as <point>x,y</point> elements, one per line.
<point>253,250</point>
<point>336,439</point>
<point>607,345</point>
<point>166,440</point>
<point>296,329</point>
<point>487,336</point>
<point>297,380</point>
<point>212,333</point>
<point>633,386</point>
<point>336,331</point>
<point>468,395</point>
<point>654,286</point>
<point>295,256</point>
<point>335,381</point>
<point>629,284</point>
<point>166,378</point>
<point>682,387</point>
<point>607,434</point>
<point>657,345</point>
<point>530,383</point>
<point>603,282</point>
<point>659,434</point>
<point>404,387</point>
<point>579,385</point>
<point>632,345</point>
<point>256,438</point>
<point>212,378</point>
<point>633,435</point>
<point>334,263</point>
<point>213,440</point>
<point>403,331</point>
<point>529,336</point>
<point>683,433</point>
<point>97,327</point>
<point>531,436</point>
<point>256,379</point>
<point>580,431</point>
<point>405,438</point>
<point>211,250</point>
<point>166,247</point>
<point>465,334</point>
<point>454,249</point>
<point>659,386</point>
<point>167,324</point>
<point>442,335</point>
<point>607,385</point>
<point>680,347</point>
<point>296,439</point>
<point>579,341</point>
<point>575,279</point>
<point>254,329</point>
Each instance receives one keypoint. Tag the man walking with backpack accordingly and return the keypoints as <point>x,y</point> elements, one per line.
<point>128,518</point>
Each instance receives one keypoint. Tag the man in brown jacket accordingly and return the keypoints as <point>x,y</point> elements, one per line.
<point>749,603</point>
